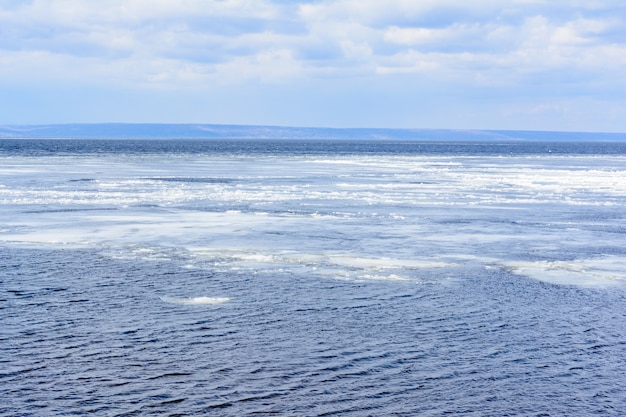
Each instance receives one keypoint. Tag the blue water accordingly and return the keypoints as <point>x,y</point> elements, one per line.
<point>234,278</point>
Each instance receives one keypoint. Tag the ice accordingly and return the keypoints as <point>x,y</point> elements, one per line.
<point>385,263</point>
<point>361,216</point>
<point>195,300</point>
<point>595,272</point>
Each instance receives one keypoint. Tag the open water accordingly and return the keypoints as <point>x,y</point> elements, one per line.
<point>233,278</point>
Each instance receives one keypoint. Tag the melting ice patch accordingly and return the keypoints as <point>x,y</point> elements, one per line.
<point>384,263</point>
<point>340,266</point>
<point>195,300</point>
<point>599,272</point>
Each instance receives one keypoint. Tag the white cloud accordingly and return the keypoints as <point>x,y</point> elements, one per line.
<point>356,50</point>
<point>78,13</point>
<point>502,46</point>
<point>413,36</point>
<point>449,33</point>
<point>269,66</point>
<point>382,13</point>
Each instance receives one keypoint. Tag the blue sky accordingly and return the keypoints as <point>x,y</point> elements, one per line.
<point>480,64</point>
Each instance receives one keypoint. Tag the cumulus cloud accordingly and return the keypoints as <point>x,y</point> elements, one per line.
<point>258,37</point>
<point>196,44</point>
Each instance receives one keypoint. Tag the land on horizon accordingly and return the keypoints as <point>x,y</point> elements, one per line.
<point>224,131</point>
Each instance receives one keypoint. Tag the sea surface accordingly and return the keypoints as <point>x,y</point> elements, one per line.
<point>312,278</point>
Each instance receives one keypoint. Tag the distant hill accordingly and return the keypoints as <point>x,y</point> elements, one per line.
<point>214,131</point>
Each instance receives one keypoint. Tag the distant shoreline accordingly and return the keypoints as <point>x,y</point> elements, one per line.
<point>216,131</point>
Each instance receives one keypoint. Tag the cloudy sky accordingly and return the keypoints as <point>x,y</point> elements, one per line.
<point>486,64</point>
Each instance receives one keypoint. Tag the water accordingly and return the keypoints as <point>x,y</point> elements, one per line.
<point>234,278</point>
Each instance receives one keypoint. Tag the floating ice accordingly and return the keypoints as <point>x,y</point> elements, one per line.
<point>195,300</point>
<point>598,272</point>
<point>384,263</point>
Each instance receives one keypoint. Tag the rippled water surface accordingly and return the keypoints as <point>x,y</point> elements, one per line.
<point>267,278</point>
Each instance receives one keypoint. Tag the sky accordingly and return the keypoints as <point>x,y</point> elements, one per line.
<point>450,64</point>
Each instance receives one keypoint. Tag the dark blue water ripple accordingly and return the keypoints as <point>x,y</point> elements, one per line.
<point>84,333</point>
<point>41,147</point>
